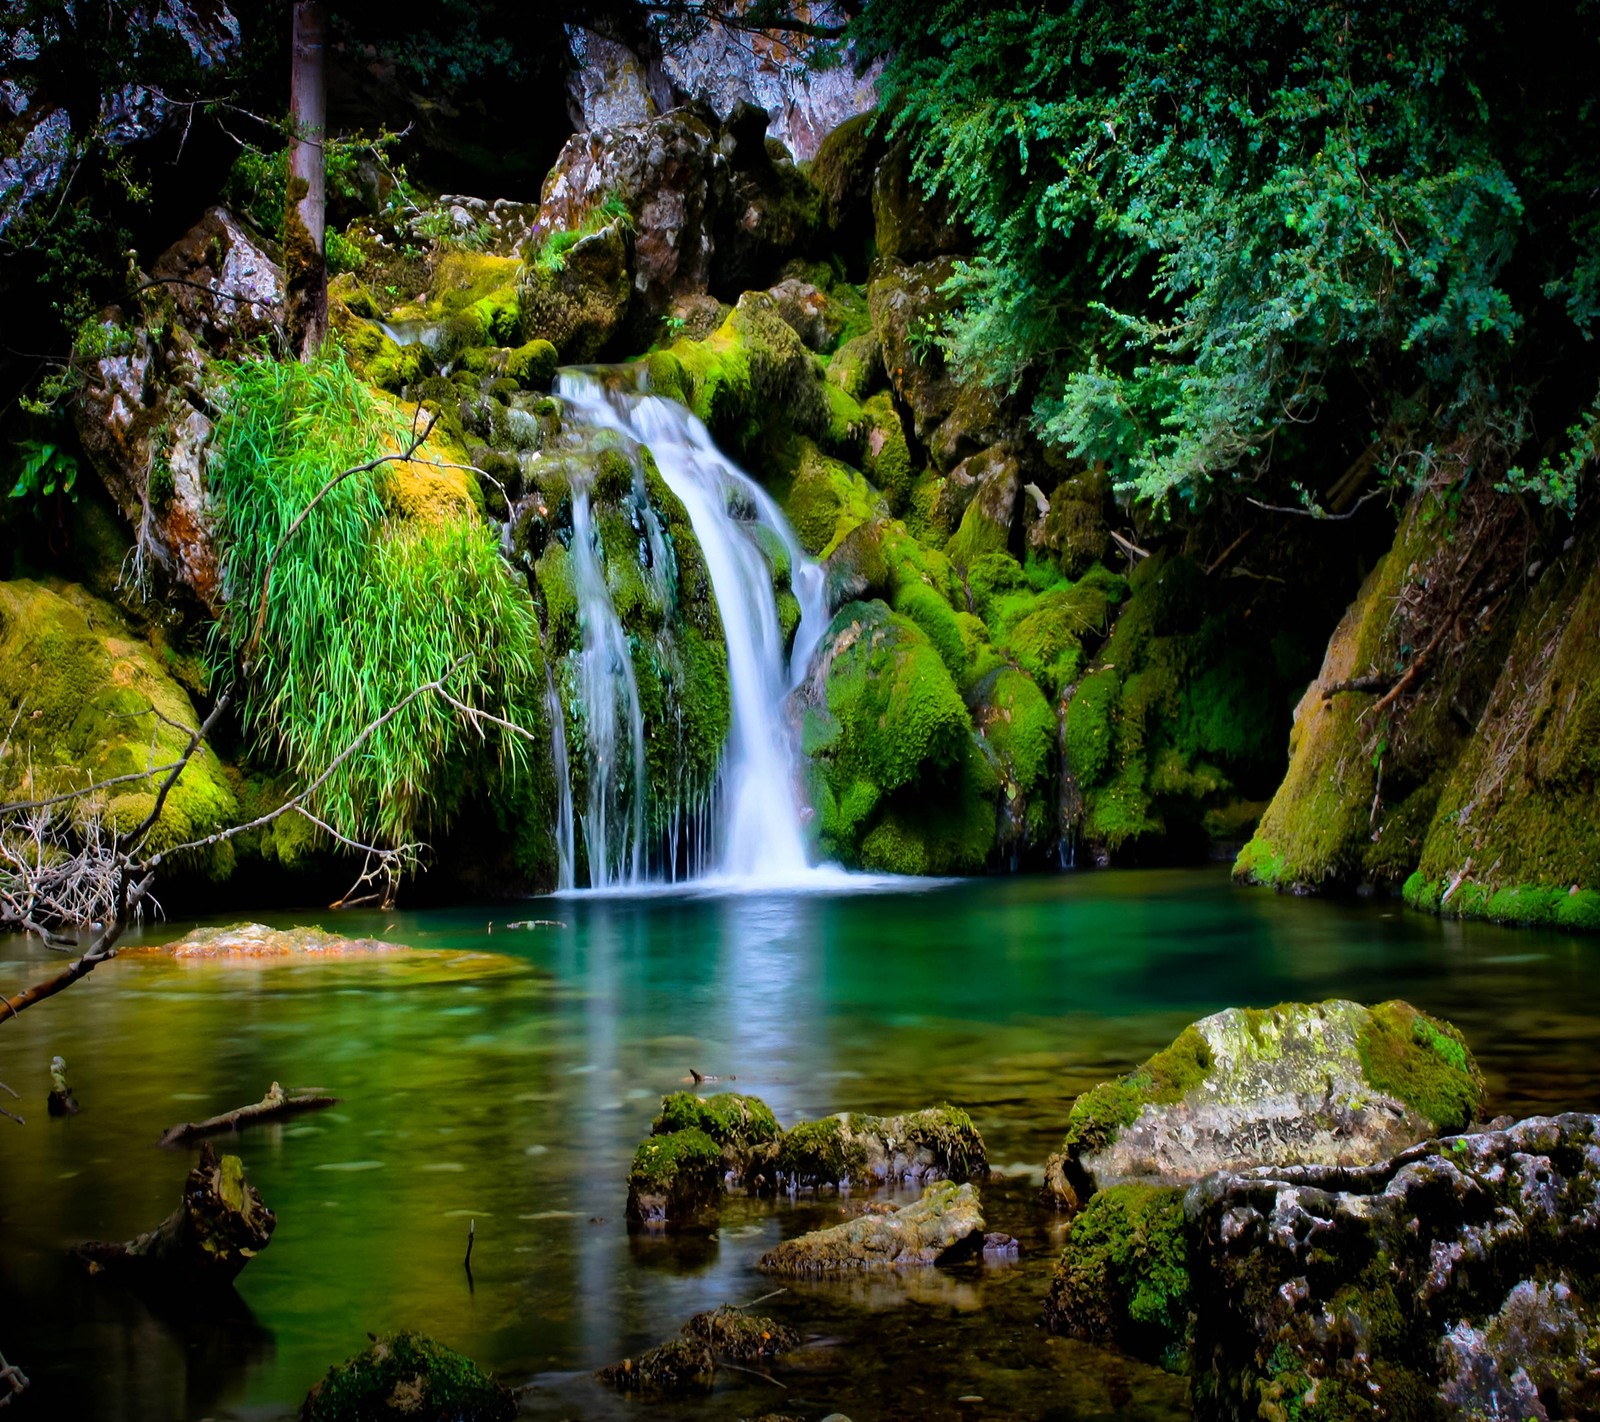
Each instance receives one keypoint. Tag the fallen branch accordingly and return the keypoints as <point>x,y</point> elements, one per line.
<point>276,1105</point>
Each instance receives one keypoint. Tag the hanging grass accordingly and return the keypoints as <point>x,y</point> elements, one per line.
<point>363,608</point>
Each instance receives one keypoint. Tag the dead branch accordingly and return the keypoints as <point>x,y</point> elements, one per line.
<point>276,1105</point>
<point>13,1379</point>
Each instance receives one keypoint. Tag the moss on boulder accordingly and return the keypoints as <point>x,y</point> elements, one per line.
<point>408,1375</point>
<point>579,304</point>
<point>1331,1083</point>
<point>1123,1275</point>
<point>93,702</point>
<point>675,1179</point>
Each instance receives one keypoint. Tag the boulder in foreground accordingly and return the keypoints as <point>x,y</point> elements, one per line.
<point>1330,1084</point>
<point>408,1376</point>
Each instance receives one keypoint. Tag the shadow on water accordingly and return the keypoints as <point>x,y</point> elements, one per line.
<point>506,1083</point>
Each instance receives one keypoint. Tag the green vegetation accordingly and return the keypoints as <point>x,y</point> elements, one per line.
<point>727,1118</point>
<point>408,1374</point>
<point>1167,1077</point>
<point>815,1153</point>
<point>548,253</point>
<point>1123,1276</point>
<point>1384,193</point>
<point>682,1163</point>
<point>1424,1062</point>
<point>362,610</point>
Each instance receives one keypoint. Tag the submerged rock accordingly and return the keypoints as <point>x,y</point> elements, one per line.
<point>1331,1083</point>
<point>945,1223</point>
<point>408,1375</point>
<point>256,940</point>
<point>1457,1279</point>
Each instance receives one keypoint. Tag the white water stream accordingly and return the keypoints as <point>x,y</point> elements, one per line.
<point>756,831</point>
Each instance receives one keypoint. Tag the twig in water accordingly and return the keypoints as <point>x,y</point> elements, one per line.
<point>472,1234</point>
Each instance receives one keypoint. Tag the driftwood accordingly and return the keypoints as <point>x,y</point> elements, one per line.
<point>274,1106</point>
<point>220,1226</point>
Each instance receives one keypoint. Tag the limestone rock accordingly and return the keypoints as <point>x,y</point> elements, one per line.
<point>579,307</point>
<point>673,179</point>
<point>938,1227</point>
<point>608,84</point>
<point>989,522</point>
<point>227,291</point>
<point>140,415</point>
<point>1456,1279</point>
<point>906,302</point>
<point>1333,1083</point>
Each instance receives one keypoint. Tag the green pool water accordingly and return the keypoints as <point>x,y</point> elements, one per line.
<point>507,1082</point>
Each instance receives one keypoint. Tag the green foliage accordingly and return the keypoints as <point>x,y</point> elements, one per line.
<point>1124,1276</point>
<point>404,1373</point>
<point>1424,1062</point>
<point>42,470</point>
<point>361,611</point>
<point>728,1118</point>
<point>343,254</point>
<point>549,253</point>
<point>1196,224</point>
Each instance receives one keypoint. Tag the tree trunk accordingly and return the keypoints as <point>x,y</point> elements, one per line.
<point>304,251</point>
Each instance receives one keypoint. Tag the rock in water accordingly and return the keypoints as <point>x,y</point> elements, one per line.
<point>256,940</point>
<point>410,1376</point>
<point>675,1369</point>
<point>1457,1279</point>
<point>945,1222</point>
<point>1332,1083</point>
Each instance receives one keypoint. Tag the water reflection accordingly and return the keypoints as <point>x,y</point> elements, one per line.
<point>511,1090</point>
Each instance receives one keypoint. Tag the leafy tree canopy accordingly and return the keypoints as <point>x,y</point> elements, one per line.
<point>1198,225</point>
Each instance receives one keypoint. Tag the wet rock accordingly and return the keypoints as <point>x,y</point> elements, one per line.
<point>976,421</point>
<point>989,522</point>
<point>227,291</point>
<point>1332,1083</point>
<point>945,1223</point>
<point>1000,1248</point>
<point>674,181</point>
<point>855,1149</point>
<point>1456,1279</point>
<point>857,366</point>
<point>906,304</point>
<point>256,940</point>
<point>675,1181</point>
<point>410,1376</point>
<point>680,1368</point>
<point>1073,528</point>
<point>140,415</point>
<point>578,306</point>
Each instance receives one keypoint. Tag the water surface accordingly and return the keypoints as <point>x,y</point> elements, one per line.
<point>507,1083</point>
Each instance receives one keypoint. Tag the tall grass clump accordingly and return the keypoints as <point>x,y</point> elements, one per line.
<point>362,609</point>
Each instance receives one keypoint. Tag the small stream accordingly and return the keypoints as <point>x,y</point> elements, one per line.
<point>507,1078</point>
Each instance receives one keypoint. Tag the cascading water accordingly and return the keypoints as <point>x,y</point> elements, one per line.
<point>757,833</point>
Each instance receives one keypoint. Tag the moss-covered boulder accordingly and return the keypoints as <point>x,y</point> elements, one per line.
<point>88,702</point>
<point>410,1376</point>
<point>1457,1279</point>
<point>908,224</point>
<point>944,1224</point>
<point>1017,728</point>
<point>989,520</point>
<point>907,304</point>
<point>856,1149</point>
<point>842,172</point>
<point>857,366</point>
<point>1331,1083</point>
<point>578,302</point>
<point>896,776</point>
<point>1074,528</point>
<point>675,1180</point>
<point>742,1127</point>
<point>682,1367</point>
<point>1123,1275</point>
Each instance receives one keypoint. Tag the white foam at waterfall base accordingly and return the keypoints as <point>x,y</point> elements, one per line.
<point>761,841</point>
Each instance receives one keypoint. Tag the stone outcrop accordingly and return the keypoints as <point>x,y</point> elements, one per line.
<point>945,1223</point>
<point>1457,1279</point>
<point>1328,1084</point>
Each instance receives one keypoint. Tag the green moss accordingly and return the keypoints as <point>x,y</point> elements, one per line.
<point>1020,727</point>
<point>815,1153</point>
<point>91,702</point>
<point>847,425</point>
<point>727,1118</point>
<point>532,365</point>
<point>948,1134</point>
<point>823,499</point>
<point>1167,1077</point>
<point>946,827</point>
<point>408,1375</point>
<point>1089,737</point>
<point>857,366</point>
<point>1123,1276</point>
<point>1424,1062</point>
<point>935,617</point>
<point>663,1164</point>
<point>886,457</point>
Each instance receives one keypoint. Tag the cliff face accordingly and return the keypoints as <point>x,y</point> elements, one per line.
<point>1451,740</point>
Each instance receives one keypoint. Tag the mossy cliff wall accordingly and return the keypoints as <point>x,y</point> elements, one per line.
<point>1451,741</point>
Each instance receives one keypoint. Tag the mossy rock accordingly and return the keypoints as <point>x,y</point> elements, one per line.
<point>579,307</point>
<point>93,702</point>
<point>683,1367</point>
<point>532,365</point>
<point>823,1152</point>
<point>743,1127</point>
<point>1331,1083</point>
<point>408,1376</point>
<point>885,455</point>
<point>1123,1276</point>
<point>853,1148</point>
<point>675,1180</point>
<point>824,499</point>
<point>857,366</point>
<point>744,1337</point>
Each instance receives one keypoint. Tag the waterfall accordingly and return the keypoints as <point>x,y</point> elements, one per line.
<point>756,831</point>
